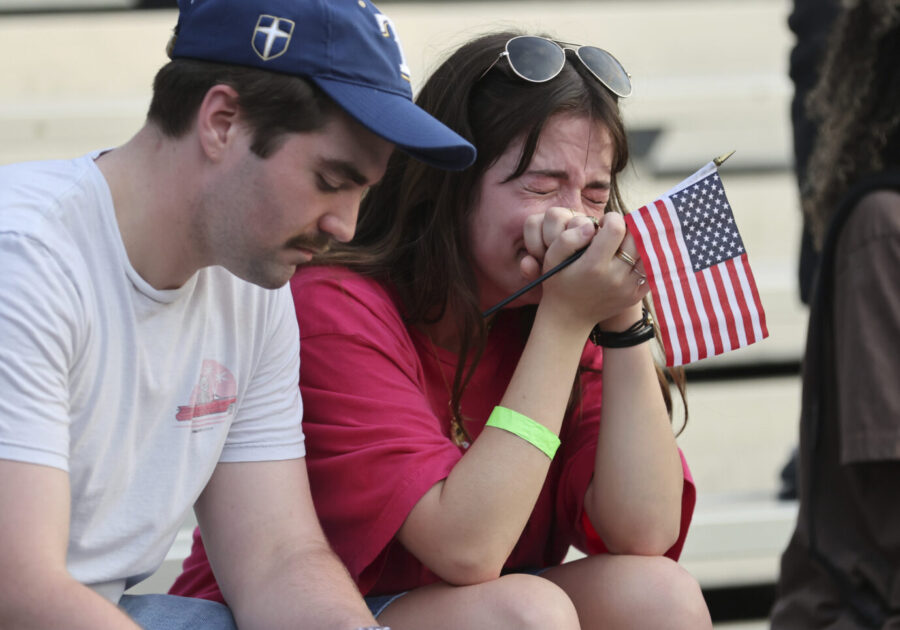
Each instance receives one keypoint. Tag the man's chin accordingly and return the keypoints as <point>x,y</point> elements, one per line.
<point>269,277</point>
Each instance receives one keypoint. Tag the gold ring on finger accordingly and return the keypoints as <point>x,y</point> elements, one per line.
<point>621,255</point>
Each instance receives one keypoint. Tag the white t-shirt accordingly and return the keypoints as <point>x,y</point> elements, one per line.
<point>137,393</point>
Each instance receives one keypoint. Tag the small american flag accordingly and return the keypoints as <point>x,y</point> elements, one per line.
<point>704,294</point>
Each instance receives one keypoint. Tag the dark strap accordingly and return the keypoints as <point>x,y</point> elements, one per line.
<point>866,604</point>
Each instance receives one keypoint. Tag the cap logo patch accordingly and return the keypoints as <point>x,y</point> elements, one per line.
<point>387,28</point>
<point>272,36</point>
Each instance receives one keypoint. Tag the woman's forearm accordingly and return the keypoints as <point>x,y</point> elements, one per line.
<point>465,527</point>
<point>634,499</point>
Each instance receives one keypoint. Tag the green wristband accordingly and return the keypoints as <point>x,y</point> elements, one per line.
<point>532,432</point>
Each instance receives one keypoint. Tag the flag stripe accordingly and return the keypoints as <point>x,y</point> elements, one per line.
<point>733,303</point>
<point>741,298</point>
<point>666,271</point>
<point>711,329</point>
<point>759,317</point>
<point>660,303</point>
<point>660,296</point>
<point>660,215</point>
<point>682,292</point>
<point>698,330</point>
<point>722,297</point>
<point>723,337</point>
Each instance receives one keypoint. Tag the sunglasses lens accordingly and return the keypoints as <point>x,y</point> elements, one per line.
<point>607,69</point>
<point>534,58</point>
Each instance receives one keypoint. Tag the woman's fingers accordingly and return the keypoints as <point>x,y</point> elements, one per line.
<point>604,282</point>
<point>627,251</point>
<point>534,237</point>
<point>577,233</point>
<point>542,229</point>
<point>610,234</point>
<point>625,258</point>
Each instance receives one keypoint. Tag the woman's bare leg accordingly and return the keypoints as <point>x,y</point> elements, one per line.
<point>516,601</point>
<point>632,592</point>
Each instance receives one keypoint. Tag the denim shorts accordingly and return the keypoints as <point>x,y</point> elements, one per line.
<point>171,612</point>
<point>377,603</point>
<point>159,612</point>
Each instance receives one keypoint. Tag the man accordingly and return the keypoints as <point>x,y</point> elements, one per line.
<point>145,367</point>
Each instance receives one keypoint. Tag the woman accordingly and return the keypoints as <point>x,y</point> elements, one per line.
<point>841,568</point>
<point>444,518</point>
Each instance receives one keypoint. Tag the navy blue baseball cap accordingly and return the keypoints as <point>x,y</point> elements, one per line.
<point>346,47</point>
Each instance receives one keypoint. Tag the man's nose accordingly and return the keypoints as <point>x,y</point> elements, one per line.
<point>340,222</point>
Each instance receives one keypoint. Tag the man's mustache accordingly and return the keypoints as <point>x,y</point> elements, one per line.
<point>318,244</point>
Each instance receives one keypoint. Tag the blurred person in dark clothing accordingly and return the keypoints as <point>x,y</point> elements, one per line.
<point>810,22</point>
<point>842,566</point>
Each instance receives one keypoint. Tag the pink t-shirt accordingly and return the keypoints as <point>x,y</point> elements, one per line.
<point>376,419</point>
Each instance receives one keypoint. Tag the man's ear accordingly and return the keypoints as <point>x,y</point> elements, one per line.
<point>218,120</point>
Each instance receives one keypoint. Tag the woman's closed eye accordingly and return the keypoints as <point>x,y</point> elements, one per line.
<point>534,190</point>
<point>597,199</point>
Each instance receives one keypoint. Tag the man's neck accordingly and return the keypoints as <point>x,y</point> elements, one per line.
<point>150,179</point>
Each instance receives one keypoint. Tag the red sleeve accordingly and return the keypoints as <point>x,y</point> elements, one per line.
<point>374,444</point>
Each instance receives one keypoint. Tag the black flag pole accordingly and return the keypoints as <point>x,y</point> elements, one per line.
<point>528,287</point>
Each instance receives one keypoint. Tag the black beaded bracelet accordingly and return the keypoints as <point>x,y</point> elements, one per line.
<point>638,332</point>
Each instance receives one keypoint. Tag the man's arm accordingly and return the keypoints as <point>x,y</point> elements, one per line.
<point>269,554</point>
<point>36,590</point>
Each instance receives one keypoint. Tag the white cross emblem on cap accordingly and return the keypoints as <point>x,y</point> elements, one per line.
<point>277,32</point>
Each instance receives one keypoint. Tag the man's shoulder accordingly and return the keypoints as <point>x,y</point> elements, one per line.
<point>45,178</point>
<point>31,193</point>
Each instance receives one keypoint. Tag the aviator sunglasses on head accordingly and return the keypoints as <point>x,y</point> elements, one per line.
<point>538,59</point>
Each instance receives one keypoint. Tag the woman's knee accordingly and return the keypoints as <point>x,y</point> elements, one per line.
<point>532,602</point>
<point>619,591</point>
<point>676,595</point>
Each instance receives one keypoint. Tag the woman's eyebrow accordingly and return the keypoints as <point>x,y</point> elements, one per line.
<point>564,176</point>
<point>555,174</point>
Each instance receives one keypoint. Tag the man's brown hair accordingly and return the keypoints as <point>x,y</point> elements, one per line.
<point>272,104</point>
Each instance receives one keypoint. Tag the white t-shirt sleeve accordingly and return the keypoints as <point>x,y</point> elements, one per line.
<point>268,422</point>
<point>38,347</point>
